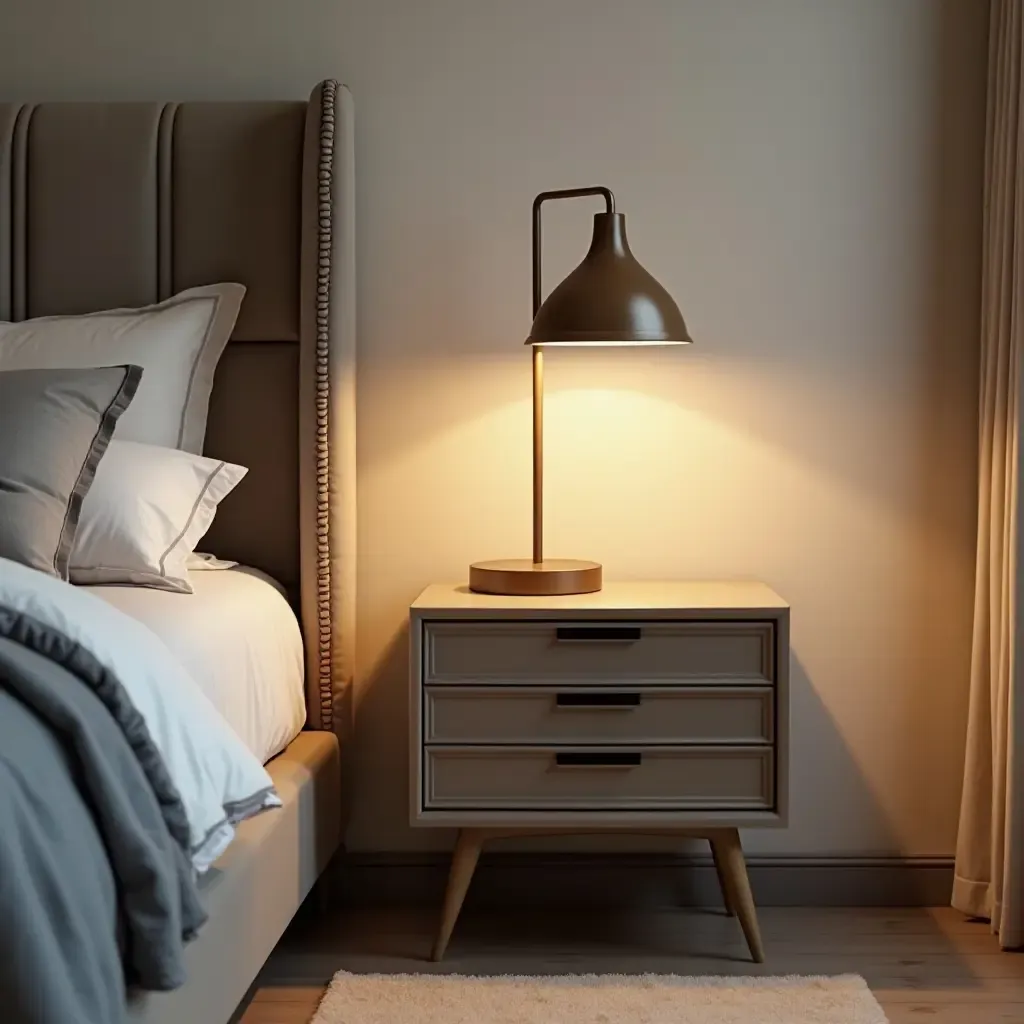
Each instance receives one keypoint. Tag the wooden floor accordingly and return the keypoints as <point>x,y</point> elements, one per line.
<point>925,966</point>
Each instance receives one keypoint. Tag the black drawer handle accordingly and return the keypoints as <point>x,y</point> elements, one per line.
<point>598,700</point>
<point>606,760</point>
<point>598,634</point>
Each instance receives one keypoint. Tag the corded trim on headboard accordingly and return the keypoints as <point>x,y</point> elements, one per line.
<point>325,172</point>
<point>109,205</point>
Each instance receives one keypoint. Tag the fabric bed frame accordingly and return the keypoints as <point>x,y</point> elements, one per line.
<point>106,205</point>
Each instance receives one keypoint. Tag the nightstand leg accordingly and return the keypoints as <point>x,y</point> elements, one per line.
<point>729,853</point>
<point>720,871</point>
<point>464,858</point>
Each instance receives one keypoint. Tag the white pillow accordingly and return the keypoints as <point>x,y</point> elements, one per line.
<point>147,509</point>
<point>218,778</point>
<point>177,343</point>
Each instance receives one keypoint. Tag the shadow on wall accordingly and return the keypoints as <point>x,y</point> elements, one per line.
<point>382,739</point>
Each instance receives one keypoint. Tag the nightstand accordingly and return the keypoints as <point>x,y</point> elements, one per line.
<point>646,707</point>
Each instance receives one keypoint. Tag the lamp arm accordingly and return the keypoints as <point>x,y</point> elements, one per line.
<point>539,201</point>
<point>538,356</point>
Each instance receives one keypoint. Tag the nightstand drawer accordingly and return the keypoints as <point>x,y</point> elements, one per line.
<point>533,715</point>
<point>641,779</point>
<point>598,652</point>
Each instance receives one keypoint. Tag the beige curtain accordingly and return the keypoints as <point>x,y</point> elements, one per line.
<point>990,847</point>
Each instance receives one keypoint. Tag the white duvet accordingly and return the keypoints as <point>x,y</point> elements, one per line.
<point>220,781</point>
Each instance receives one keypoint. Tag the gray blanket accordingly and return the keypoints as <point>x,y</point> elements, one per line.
<point>96,885</point>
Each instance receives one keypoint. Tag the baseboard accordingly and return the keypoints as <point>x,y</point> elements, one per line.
<point>508,880</point>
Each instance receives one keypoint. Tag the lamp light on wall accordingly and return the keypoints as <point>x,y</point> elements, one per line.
<point>609,299</point>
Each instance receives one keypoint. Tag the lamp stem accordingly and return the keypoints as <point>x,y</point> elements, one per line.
<point>538,357</point>
<point>538,454</point>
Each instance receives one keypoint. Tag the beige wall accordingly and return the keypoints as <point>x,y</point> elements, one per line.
<point>804,176</point>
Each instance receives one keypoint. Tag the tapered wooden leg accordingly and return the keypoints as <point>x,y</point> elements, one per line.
<point>726,897</point>
<point>464,858</point>
<point>729,853</point>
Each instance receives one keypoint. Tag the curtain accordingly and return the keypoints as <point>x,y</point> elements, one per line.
<point>990,846</point>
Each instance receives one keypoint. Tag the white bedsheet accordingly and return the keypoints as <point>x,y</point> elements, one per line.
<point>238,638</point>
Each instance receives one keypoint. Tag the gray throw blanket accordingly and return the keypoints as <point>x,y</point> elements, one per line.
<point>96,885</point>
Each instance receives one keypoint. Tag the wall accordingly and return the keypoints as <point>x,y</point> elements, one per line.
<point>804,177</point>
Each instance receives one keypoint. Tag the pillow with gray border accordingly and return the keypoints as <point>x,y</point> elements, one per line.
<point>54,428</point>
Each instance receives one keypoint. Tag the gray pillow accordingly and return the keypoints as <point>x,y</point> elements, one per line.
<point>54,428</point>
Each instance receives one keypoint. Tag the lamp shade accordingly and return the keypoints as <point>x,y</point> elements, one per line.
<point>609,299</point>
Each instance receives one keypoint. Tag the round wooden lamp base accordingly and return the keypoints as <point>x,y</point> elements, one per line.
<point>520,577</point>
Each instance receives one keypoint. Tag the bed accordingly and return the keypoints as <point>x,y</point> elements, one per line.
<point>122,205</point>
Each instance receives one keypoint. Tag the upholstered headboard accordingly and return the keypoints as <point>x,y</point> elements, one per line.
<point>123,204</point>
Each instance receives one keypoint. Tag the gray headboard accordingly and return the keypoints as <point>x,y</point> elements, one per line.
<point>123,204</point>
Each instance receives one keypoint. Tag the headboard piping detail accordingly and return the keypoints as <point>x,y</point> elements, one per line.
<point>165,202</point>
<point>20,201</point>
<point>325,172</point>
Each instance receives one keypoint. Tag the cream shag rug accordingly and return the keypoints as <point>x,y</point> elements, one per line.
<point>596,999</point>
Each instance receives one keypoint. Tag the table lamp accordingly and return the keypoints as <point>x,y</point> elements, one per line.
<point>609,299</point>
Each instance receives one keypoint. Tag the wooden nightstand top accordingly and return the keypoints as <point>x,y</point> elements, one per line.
<point>716,598</point>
